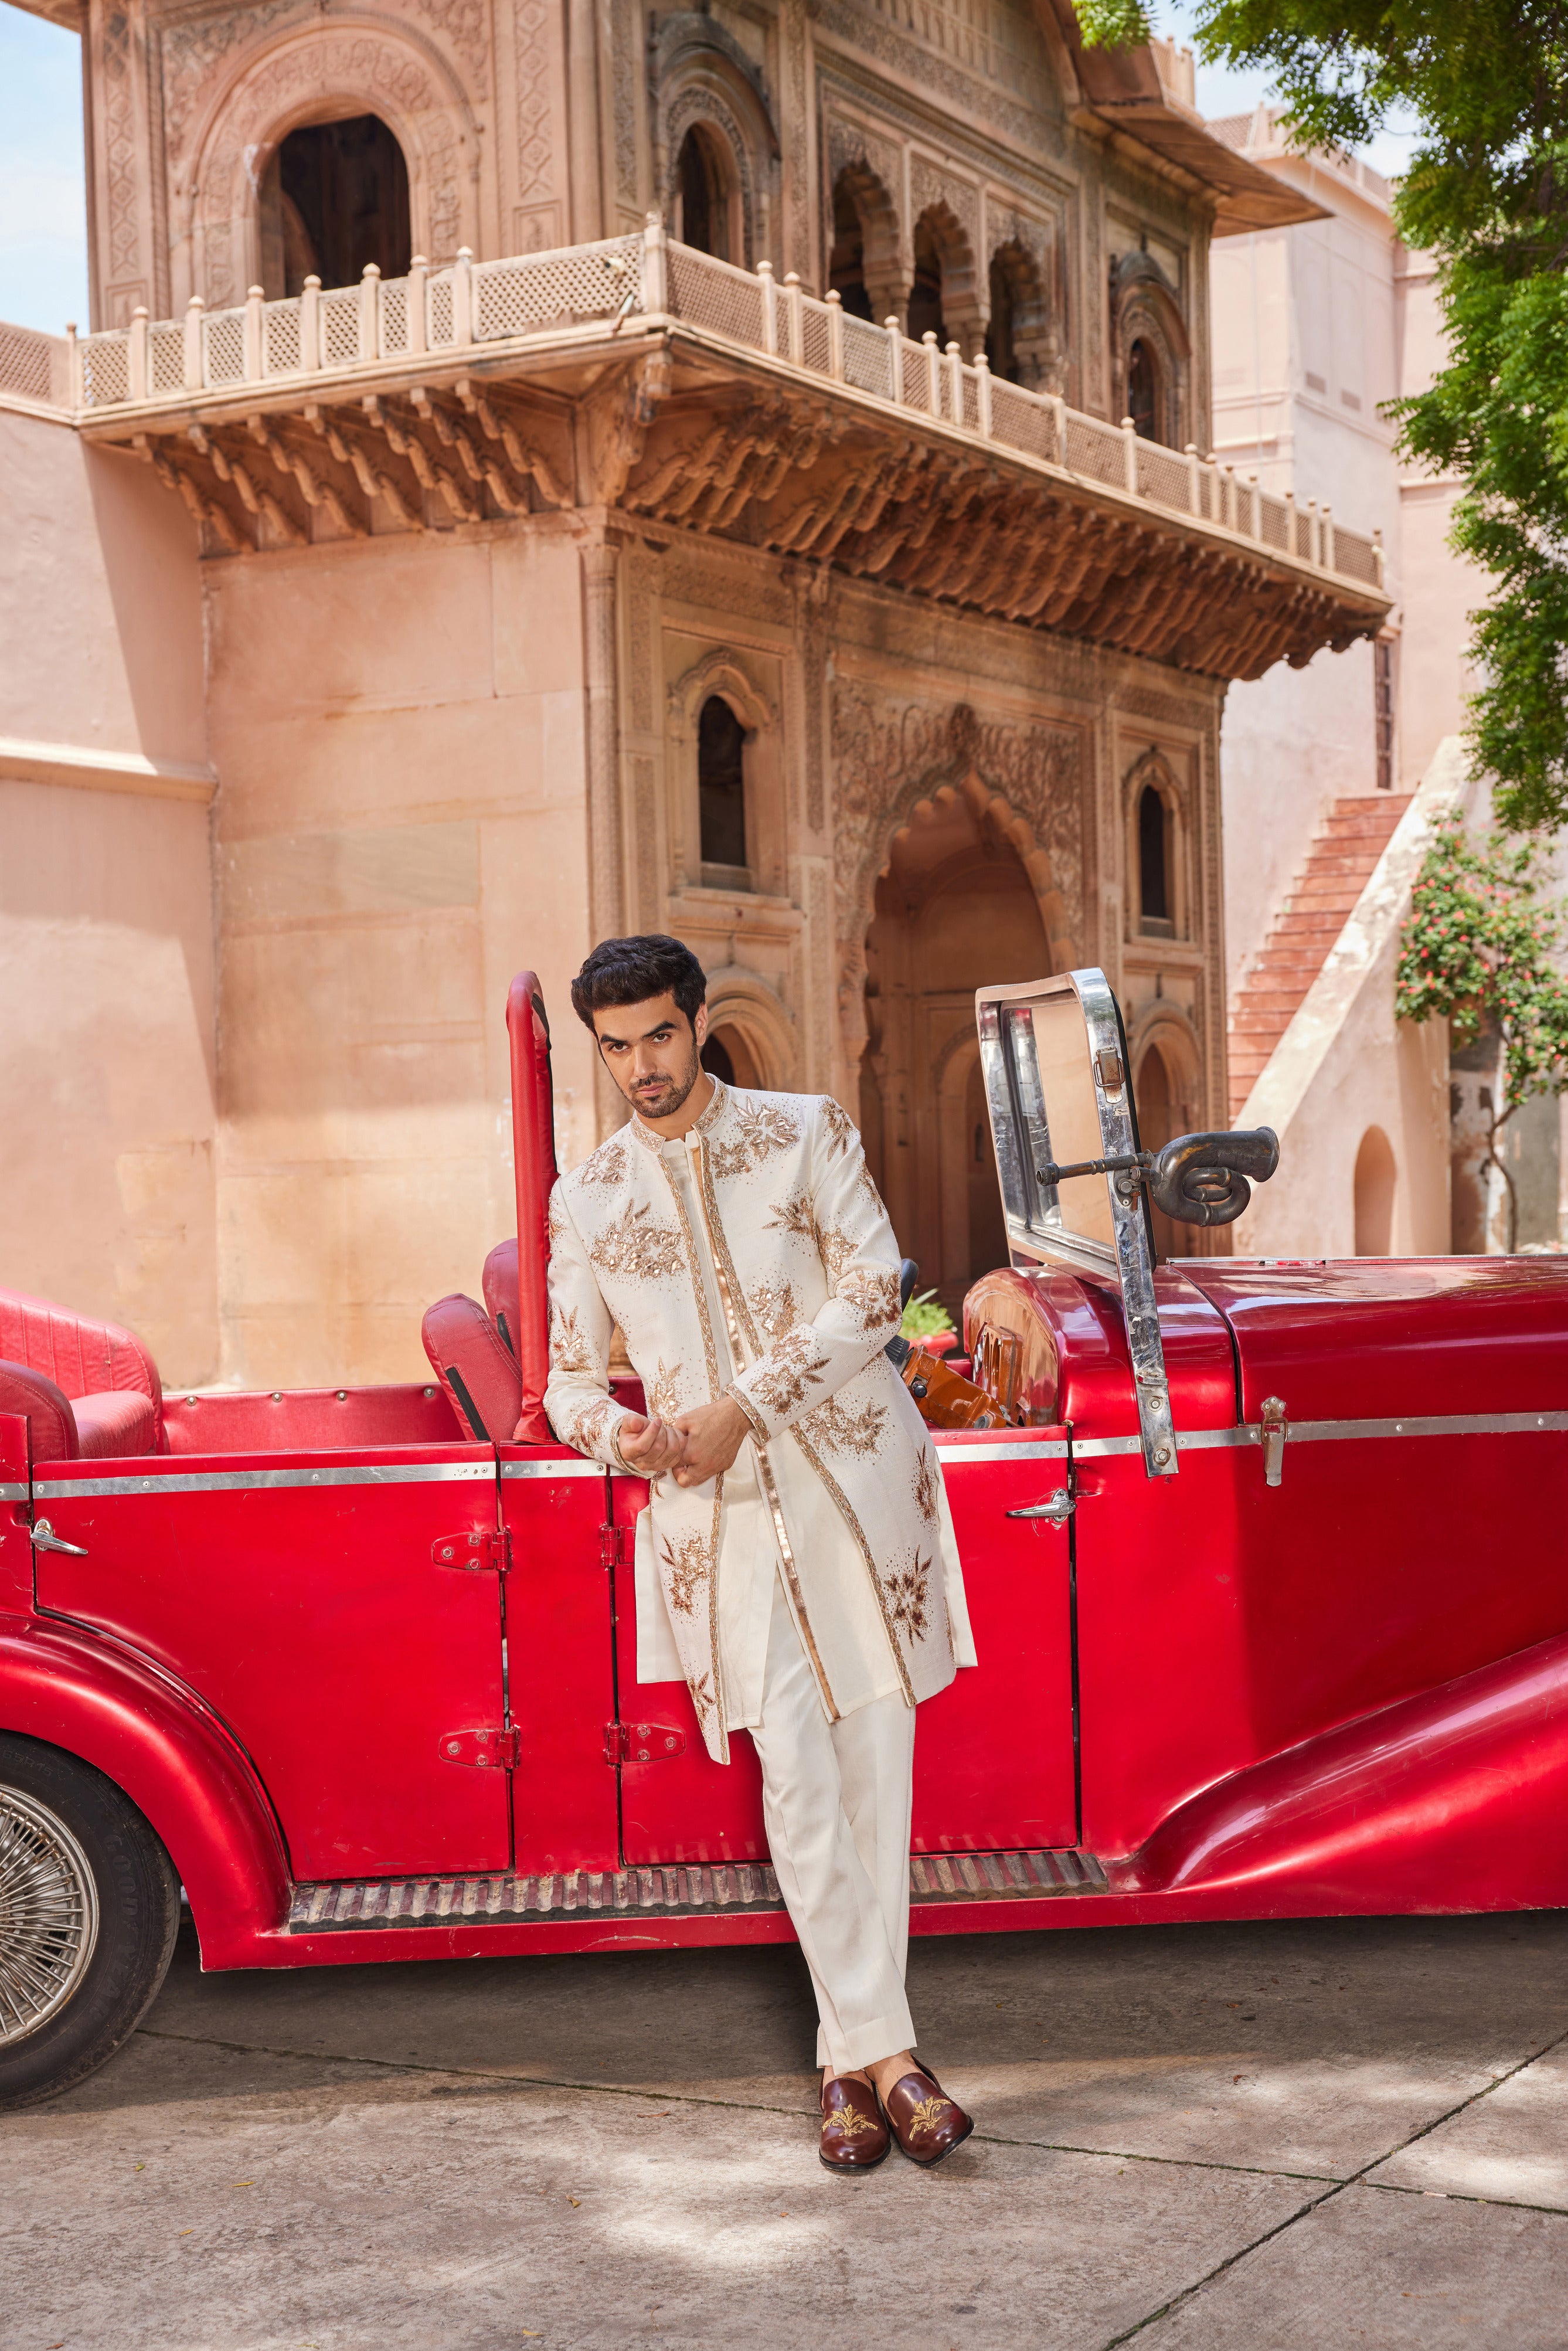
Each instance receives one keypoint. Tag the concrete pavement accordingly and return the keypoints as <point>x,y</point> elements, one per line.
<point>1218,2138</point>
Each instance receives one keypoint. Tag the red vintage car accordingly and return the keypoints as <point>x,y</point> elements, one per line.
<point>1263,1567</point>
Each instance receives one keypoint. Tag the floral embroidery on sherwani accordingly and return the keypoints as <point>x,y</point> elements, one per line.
<point>873,1291</point>
<point>688,1567</point>
<point>926,1485</point>
<point>607,1165</point>
<point>762,1127</point>
<point>904,1589</point>
<point>841,1126</point>
<point>568,1347</point>
<point>838,1429</point>
<point>636,1250</point>
<point>776,1307</point>
<point>792,1370</point>
<point>795,1218</point>
<point>804,1255</point>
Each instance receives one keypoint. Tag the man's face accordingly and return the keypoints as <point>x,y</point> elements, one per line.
<point>652,1052</point>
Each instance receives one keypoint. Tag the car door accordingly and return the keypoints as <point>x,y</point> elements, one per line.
<point>994,1754</point>
<point>343,1617</point>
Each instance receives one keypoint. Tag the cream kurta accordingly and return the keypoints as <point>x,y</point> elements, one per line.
<point>806,1270</point>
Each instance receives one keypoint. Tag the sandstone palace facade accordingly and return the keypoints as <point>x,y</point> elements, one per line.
<point>540,469</point>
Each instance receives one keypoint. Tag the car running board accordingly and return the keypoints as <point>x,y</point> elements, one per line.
<point>672,1891</point>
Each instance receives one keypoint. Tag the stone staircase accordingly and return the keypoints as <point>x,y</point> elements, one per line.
<point>1337,869</point>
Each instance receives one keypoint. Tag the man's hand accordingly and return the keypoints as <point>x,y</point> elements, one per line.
<point>712,1435</point>
<point>648,1446</point>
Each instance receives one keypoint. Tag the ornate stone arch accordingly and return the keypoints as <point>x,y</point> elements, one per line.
<point>1025,782</point>
<point>740,999</point>
<point>1152,771</point>
<point>1144,308</point>
<point>704,81</point>
<point>964,306</point>
<point>723,673</point>
<point>320,74</point>
<point>883,267</point>
<point>1019,262</point>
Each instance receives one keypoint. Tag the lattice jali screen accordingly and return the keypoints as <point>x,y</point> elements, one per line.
<point>341,328</point>
<point>438,312</point>
<point>969,390</point>
<point>865,357</point>
<point>1353,555</point>
<point>26,363</point>
<point>223,341</point>
<point>1272,522</point>
<point>394,316</point>
<point>165,358</point>
<point>713,294</point>
<point>1022,423</point>
<point>816,351</point>
<point>912,367</point>
<point>105,370</point>
<point>1094,452</point>
<point>280,338</point>
<point>1164,476</point>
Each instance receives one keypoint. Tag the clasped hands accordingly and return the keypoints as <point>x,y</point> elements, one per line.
<point>696,1445</point>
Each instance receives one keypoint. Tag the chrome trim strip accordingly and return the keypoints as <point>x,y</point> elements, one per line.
<point>231,1481</point>
<point>13,1493</point>
<point>953,1456</point>
<point>576,1468</point>
<point>1339,1432</point>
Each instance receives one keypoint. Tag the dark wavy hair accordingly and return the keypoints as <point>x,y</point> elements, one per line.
<point>628,971</point>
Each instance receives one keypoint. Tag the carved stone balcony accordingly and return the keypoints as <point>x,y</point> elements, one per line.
<point>638,375</point>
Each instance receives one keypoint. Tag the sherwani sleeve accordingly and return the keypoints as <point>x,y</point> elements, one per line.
<point>578,1401</point>
<point>861,1313</point>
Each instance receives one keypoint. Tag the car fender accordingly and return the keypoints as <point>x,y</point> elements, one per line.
<point>171,1755</point>
<point>1451,1799</point>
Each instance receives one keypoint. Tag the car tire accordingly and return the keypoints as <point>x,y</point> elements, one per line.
<point>90,1908</point>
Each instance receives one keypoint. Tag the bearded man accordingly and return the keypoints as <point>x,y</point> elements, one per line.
<point>798,1522</point>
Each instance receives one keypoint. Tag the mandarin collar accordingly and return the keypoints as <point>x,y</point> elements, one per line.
<point>703,1125</point>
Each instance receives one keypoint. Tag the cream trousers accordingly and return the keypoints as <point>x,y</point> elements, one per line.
<point>836,1802</point>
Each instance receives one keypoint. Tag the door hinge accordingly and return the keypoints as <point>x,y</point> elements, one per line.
<point>611,1546</point>
<point>489,1751</point>
<point>642,1742</point>
<point>481,1547</point>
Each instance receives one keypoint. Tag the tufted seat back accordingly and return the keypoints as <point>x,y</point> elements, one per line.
<point>90,1389</point>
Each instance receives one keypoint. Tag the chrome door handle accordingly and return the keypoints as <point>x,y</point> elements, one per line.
<point>1056,1511</point>
<point>45,1539</point>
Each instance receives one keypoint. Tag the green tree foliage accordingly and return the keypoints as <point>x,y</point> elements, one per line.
<point>1482,950</point>
<point>1486,193</point>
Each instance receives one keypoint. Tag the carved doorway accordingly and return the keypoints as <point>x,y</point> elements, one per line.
<point>954,909</point>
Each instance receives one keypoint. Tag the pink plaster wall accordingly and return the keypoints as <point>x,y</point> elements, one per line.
<point>107,1043</point>
<point>398,725</point>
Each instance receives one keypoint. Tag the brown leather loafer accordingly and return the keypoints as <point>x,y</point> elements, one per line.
<point>854,2136</point>
<point>924,2119</point>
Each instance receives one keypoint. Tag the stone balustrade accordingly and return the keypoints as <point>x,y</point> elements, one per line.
<point>601,288</point>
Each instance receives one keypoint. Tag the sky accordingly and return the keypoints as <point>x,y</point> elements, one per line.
<point>43,223</point>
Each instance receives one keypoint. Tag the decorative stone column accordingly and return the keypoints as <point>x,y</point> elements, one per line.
<point>601,570</point>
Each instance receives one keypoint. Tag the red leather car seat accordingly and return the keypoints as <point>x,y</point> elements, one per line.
<point>102,1376</point>
<point>500,1288</point>
<point>478,1374</point>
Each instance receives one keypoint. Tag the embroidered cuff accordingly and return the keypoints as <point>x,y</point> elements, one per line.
<point>759,1426</point>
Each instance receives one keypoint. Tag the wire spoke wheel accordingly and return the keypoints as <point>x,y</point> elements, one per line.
<point>48,1915</point>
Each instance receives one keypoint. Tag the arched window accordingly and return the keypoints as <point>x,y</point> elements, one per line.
<point>1144,391</point>
<point>704,181</point>
<point>724,1053</point>
<point>1155,1091</point>
<point>926,294</point>
<point>721,785</point>
<point>846,264</point>
<point>335,198</point>
<point>1376,1176</point>
<point>1154,864</point>
<point>1001,349</point>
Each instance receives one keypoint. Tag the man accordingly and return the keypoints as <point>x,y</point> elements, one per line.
<point>796,1518</point>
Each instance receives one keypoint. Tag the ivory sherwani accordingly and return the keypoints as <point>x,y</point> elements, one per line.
<point>806,1269</point>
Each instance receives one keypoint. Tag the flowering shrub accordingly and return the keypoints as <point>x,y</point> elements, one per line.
<point>1481,949</point>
